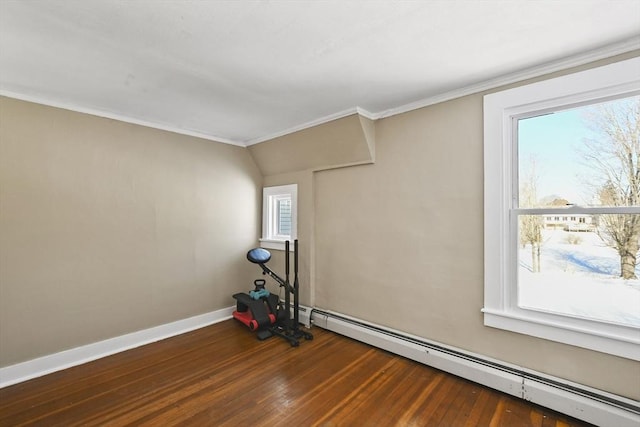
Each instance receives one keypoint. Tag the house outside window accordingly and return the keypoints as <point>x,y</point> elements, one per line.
<point>279,215</point>
<point>566,149</point>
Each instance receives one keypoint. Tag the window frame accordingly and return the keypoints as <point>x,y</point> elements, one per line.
<point>501,112</point>
<point>270,196</point>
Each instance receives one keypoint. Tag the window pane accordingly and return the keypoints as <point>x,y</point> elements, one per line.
<point>586,156</point>
<point>586,269</point>
<point>284,217</point>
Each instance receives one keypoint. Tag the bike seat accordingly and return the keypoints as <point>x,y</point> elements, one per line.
<point>259,256</point>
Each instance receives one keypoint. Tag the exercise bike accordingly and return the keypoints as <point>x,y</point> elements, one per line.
<point>262,311</point>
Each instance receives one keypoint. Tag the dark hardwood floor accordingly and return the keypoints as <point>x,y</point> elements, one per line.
<point>222,376</point>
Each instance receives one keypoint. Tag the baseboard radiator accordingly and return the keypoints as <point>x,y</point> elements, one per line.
<point>581,402</point>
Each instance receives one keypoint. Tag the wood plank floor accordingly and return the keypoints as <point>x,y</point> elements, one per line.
<point>222,376</point>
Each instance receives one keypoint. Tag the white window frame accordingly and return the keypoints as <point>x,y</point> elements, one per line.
<point>270,196</point>
<point>501,112</point>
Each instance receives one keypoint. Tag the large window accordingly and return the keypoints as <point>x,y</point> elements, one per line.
<point>279,215</point>
<point>562,209</point>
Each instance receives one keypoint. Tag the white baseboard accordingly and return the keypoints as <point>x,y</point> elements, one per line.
<point>76,356</point>
<point>576,400</point>
<point>579,401</point>
<point>304,315</point>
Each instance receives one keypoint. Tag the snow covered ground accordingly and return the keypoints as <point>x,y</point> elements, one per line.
<point>581,279</point>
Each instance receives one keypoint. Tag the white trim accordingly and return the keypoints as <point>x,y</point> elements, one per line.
<point>529,73</point>
<point>559,65</point>
<point>76,356</point>
<point>548,68</point>
<point>551,67</point>
<point>313,123</point>
<point>304,315</point>
<point>612,338</point>
<point>576,405</point>
<point>272,244</point>
<point>500,207</point>
<point>115,116</point>
<point>269,240</point>
<point>367,114</point>
<point>578,210</point>
<point>577,400</point>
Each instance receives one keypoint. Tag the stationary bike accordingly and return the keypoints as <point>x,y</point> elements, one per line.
<point>264,312</point>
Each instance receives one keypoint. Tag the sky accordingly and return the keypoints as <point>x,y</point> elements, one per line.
<point>584,278</point>
<point>554,141</point>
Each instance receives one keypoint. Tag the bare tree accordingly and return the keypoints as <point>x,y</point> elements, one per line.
<point>614,158</point>
<point>531,225</point>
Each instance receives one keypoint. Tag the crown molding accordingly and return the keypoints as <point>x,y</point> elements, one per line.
<point>550,67</point>
<point>367,114</point>
<point>114,116</point>
<point>313,123</point>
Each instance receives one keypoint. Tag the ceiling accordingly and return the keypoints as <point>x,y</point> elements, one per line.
<point>243,72</point>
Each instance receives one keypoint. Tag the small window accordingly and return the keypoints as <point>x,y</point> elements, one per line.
<point>568,148</point>
<point>279,215</point>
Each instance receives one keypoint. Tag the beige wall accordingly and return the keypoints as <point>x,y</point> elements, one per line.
<point>304,180</point>
<point>400,243</point>
<point>337,143</point>
<point>107,228</point>
<point>293,159</point>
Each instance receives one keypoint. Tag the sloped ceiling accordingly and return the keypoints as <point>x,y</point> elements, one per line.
<point>243,72</point>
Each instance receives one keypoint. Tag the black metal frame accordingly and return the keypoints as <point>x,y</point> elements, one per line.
<point>284,327</point>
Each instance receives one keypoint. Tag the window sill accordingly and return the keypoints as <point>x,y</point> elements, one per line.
<point>277,245</point>
<point>502,111</point>
<point>619,341</point>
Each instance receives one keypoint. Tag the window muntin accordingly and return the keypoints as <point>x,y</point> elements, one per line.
<point>505,209</point>
<point>585,156</point>
<point>279,210</point>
